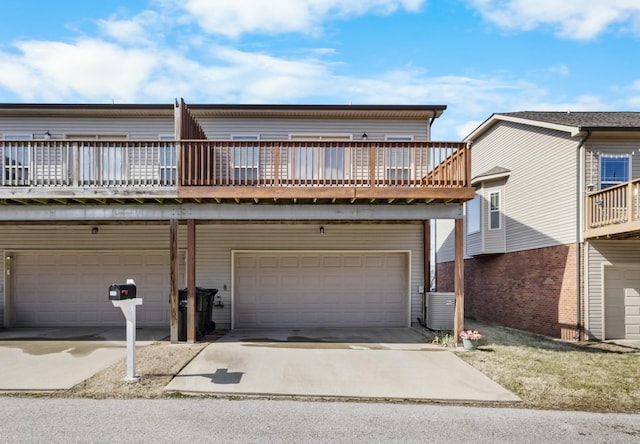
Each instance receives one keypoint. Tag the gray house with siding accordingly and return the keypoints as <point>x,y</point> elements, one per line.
<point>300,215</point>
<point>551,238</point>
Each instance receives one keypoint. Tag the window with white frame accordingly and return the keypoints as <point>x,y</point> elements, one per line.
<point>399,160</point>
<point>495,216</point>
<point>168,164</point>
<point>246,158</point>
<point>331,162</point>
<point>614,170</point>
<point>473,215</point>
<point>15,159</point>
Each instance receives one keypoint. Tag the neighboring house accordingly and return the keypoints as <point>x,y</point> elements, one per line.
<point>552,235</point>
<point>305,215</point>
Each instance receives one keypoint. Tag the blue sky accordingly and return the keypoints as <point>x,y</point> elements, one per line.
<point>475,56</point>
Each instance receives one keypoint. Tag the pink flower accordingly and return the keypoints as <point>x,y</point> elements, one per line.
<point>472,335</point>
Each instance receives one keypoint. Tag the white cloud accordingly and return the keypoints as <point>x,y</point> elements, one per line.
<point>233,18</point>
<point>467,128</point>
<point>562,70</point>
<point>140,29</point>
<point>86,70</point>
<point>574,19</point>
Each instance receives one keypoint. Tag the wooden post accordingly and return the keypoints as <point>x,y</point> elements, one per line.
<point>191,281</point>
<point>630,202</point>
<point>173,273</point>
<point>427,267</point>
<point>372,165</point>
<point>458,283</point>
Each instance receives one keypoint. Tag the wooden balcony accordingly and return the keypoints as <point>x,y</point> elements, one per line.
<point>324,172</point>
<point>614,212</point>
<point>126,171</point>
<point>63,170</point>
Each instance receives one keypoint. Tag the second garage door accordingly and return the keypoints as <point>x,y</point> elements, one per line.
<point>321,289</point>
<point>70,289</point>
<point>622,303</point>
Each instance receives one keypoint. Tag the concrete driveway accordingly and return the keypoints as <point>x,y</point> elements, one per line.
<point>351,363</point>
<point>47,359</point>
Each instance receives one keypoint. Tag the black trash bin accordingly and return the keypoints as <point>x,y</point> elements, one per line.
<point>204,309</point>
<point>206,295</point>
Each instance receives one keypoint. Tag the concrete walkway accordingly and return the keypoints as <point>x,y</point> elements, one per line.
<point>48,359</point>
<point>351,363</point>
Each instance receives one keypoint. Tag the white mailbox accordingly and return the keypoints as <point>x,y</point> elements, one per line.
<point>128,307</point>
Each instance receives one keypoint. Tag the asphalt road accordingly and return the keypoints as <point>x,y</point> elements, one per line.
<point>30,420</point>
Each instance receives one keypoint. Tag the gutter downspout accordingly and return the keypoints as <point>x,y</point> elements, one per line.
<point>579,211</point>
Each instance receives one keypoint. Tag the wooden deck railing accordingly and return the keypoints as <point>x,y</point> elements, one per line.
<point>362,171</point>
<point>322,164</point>
<point>81,163</point>
<point>614,210</point>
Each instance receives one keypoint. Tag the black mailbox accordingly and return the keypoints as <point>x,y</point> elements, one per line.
<point>118,292</point>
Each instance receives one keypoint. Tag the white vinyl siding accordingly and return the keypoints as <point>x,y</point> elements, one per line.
<point>60,127</point>
<point>542,182</point>
<point>488,240</point>
<point>603,254</point>
<point>282,128</point>
<point>216,242</point>
<point>494,239</point>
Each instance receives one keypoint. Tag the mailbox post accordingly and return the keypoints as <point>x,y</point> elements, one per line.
<point>124,296</point>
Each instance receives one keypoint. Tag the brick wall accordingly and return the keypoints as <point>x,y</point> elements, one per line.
<point>533,290</point>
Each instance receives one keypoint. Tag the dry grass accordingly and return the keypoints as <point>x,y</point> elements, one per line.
<point>553,374</point>
<point>156,364</point>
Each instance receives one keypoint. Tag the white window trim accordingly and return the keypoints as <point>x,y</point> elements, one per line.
<point>489,211</point>
<point>409,167</point>
<point>97,136</point>
<point>245,137</point>
<point>613,156</point>
<point>320,136</point>
<point>17,136</point>
<point>321,172</point>
<point>251,165</point>
<point>398,138</point>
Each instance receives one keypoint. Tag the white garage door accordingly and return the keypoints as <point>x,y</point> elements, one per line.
<point>321,289</point>
<point>66,289</point>
<point>622,303</point>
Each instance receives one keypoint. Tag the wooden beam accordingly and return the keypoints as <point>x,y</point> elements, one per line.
<point>325,192</point>
<point>458,279</point>
<point>173,273</point>
<point>427,266</point>
<point>191,281</point>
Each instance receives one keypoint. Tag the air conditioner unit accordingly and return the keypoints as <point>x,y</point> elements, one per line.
<point>440,310</point>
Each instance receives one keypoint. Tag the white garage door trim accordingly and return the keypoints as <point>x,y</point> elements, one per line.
<point>607,268</point>
<point>407,296</point>
<point>11,273</point>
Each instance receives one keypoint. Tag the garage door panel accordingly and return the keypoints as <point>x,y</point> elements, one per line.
<point>622,303</point>
<point>345,289</point>
<point>310,261</point>
<point>61,288</point>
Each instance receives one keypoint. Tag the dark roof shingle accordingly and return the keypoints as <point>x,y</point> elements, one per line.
<point>585,120</point>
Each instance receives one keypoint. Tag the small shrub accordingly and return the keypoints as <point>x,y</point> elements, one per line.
<point>444,338</point>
